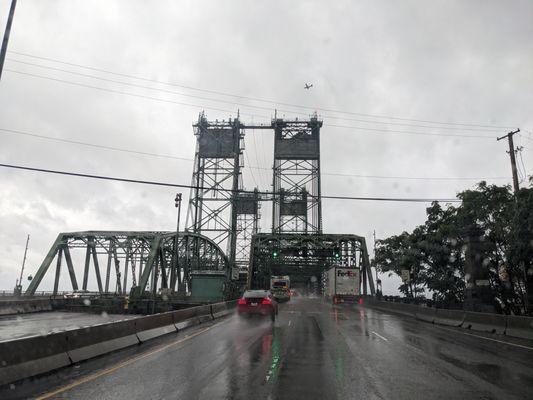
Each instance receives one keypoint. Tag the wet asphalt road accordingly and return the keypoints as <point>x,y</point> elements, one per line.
<point>313,351</point>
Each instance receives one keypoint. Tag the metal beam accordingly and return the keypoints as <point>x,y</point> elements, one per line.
<point>39,275</point>
<point>70,267</point>
<point>58,270</point>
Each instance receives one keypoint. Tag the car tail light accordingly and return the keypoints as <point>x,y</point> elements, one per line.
<point>266,300</point>
<point>241,301</point>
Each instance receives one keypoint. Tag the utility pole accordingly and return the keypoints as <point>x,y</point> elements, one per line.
<point>18,285</point>
<point>3,51</point>
<point>177,204</point>
<point>379,289</point>
<point>509,136</point>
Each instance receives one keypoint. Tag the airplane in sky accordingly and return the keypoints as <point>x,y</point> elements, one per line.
<point>308,86</point>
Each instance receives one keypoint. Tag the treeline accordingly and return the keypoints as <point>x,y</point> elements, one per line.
<point>434,252</point>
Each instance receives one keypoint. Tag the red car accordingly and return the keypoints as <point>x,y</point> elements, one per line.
<point>259,302</point>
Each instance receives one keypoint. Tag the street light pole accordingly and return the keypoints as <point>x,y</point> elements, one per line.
<point>3,50</point>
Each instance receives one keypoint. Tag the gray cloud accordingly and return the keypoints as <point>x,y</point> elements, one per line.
<point>449,61</point>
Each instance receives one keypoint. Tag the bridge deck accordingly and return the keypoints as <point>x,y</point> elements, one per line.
<point>313,351</point>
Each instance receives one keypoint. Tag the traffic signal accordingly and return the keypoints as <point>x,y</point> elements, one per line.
<point>275,253</point>
<point>337,253</point>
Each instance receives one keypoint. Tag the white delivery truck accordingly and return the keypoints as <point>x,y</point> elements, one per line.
<point>341,284</point>
<point>280,286</point>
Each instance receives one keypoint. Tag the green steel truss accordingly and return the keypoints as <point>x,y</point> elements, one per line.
<point>302,256</point>
<point>131,262</point>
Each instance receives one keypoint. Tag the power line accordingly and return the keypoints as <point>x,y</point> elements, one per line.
<point>99,146</point>
<point>249,105</point>
<point>168,156</point>
<point>126,93</point>
<point>394,132</point>
<point>177,185</point>
<point>256,98</point>
<point>363,129</point>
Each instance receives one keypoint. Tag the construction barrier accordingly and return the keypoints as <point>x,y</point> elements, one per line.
<point>449,317</point>
<point>426,314</point>
<point>96,340</point>
<point>519,327</point>
<point>22,358</point>
<point>153,326</point>
<point>485,322</point>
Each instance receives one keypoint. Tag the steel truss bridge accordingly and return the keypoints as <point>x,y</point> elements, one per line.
<point>221,237</point>
<point>145,260</point>
<point>306,256</point>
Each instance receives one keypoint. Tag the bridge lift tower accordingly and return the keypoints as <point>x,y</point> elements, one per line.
<point>297,207</point>
<point>217,208</point>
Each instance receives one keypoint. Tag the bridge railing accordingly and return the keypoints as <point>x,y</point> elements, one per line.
<point>42,293</point>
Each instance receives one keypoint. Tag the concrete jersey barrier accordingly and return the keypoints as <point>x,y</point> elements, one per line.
<point>22,358</point>
<point>30,356</point>
<point>219,310</point>
<point>426,314</point>
<point>449,317</point>
<point>485,322</point>
<point>152,326</point>
<point>96,340</point>
<point>23,306</point>
<point>519,326</point>
<point>191,316</point>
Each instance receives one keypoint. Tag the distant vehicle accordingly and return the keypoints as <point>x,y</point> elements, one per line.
<point>308,86</point>
<point>257,302</point>
<point>280,287</point>
<point>341,284</point>
<point>77,294</point>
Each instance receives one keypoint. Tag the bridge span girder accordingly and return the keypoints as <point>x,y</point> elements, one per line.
<point>149,257</point>
<point>302,256</point>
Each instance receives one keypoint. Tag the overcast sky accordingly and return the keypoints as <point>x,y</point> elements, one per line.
<point>466,62</point>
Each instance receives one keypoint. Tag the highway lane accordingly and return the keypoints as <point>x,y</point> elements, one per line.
<point>313,351</point>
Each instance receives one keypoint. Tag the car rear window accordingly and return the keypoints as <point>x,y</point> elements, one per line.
<point>255,293</point>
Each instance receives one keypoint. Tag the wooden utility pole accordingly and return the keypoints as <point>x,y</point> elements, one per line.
<point>509,136</point>
<point>3,51</point>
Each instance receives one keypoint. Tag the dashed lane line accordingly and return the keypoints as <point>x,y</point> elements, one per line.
<point>379,336</point>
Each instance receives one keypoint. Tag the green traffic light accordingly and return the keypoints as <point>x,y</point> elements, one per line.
<point>274,254</point>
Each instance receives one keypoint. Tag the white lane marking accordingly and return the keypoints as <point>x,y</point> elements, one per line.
<point>486,338</point>
<point>290,322</point>
<point>379,336</point>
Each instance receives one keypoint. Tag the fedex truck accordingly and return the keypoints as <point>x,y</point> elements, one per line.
<point>341,284</point>
<point>280,286</point>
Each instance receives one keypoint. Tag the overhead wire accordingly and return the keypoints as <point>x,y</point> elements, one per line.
<point>493,130</point>
<point>251,166</point>
<point>256,98</point>
<point>178,185</point>
<point>197,106</point>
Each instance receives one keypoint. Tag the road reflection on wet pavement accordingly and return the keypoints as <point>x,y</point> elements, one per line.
<point>312,351</point>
